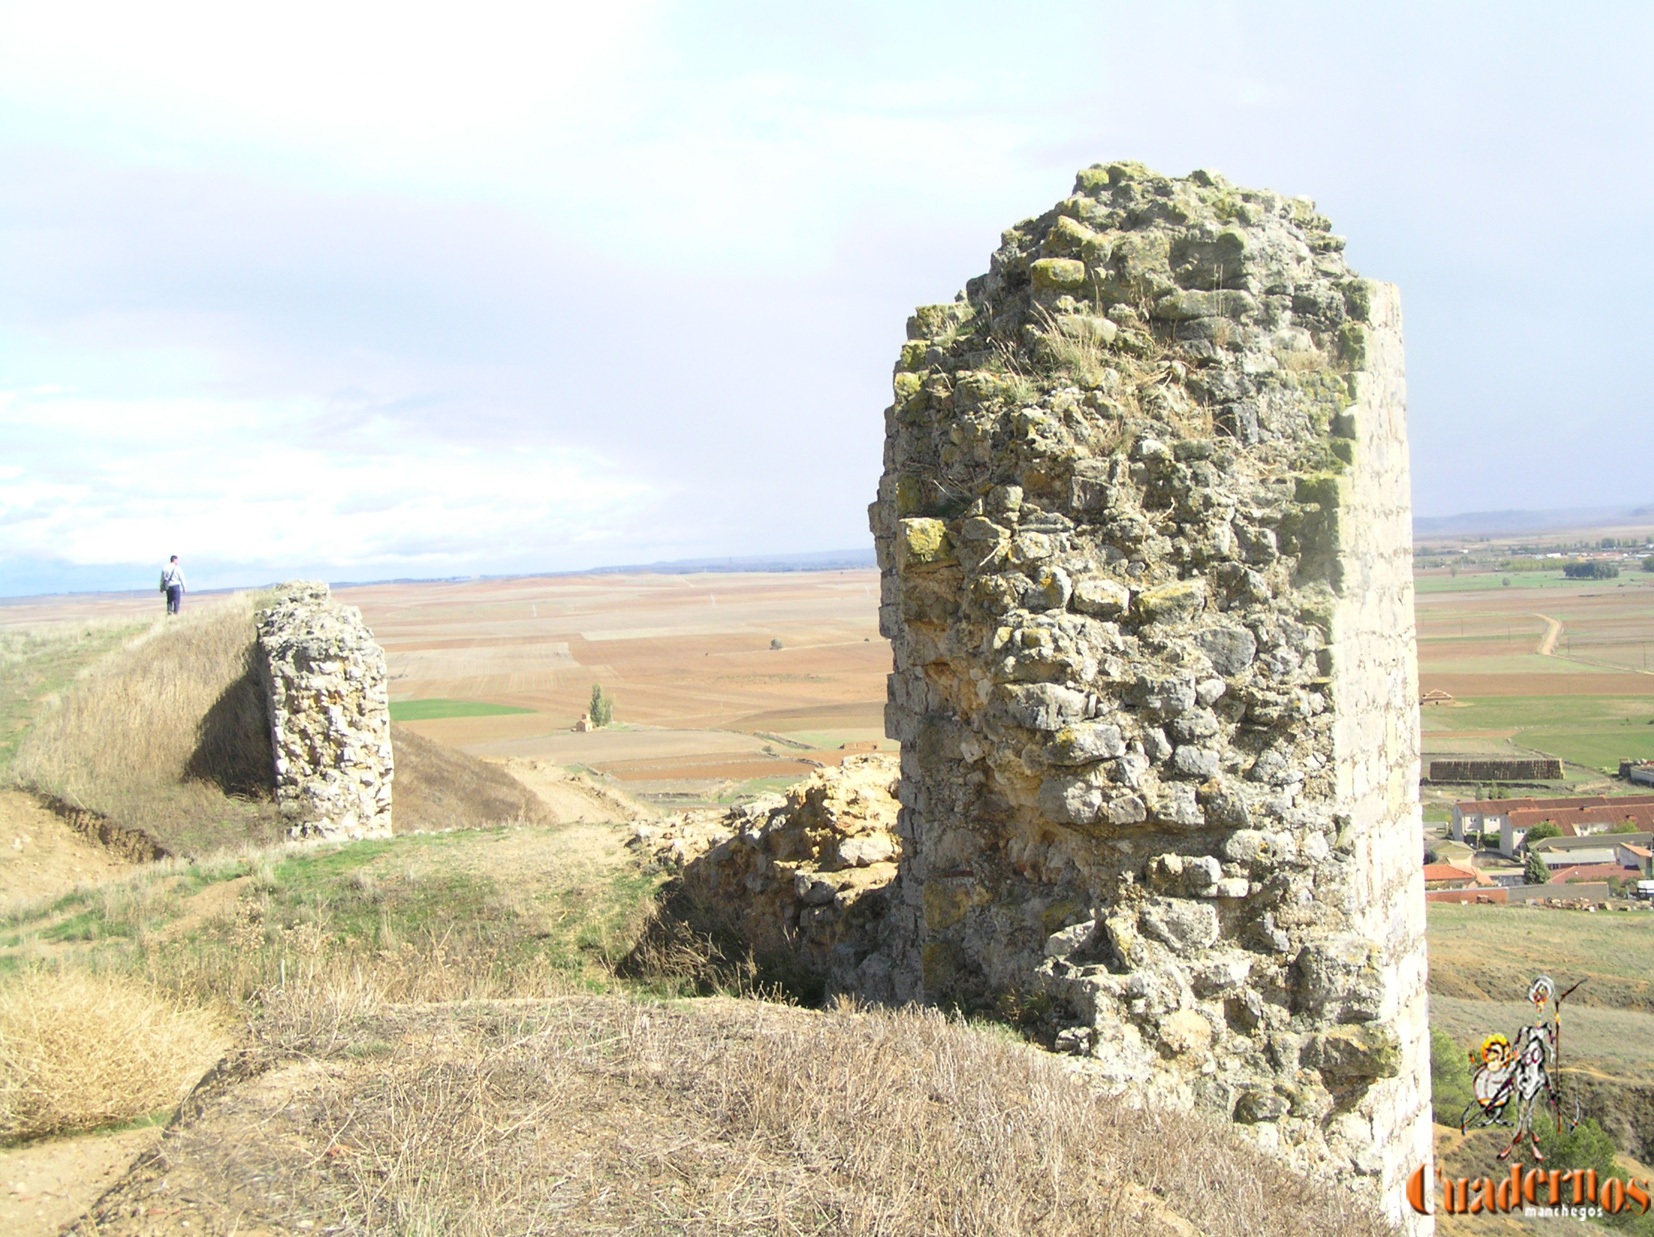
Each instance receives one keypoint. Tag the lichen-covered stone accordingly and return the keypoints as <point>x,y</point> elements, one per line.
<point>324,680</point>
<point>1144,529</point>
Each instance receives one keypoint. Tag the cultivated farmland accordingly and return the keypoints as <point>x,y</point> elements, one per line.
<point>1539,665</point>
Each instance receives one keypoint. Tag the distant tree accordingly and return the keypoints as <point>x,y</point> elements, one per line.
<point>1648,563</point>
<point>1609,543</point>
<point>1624,826</point>
<point>775,643</point>
<point>602,706</point>
<point>1535,872</point>
<point>1590,569</point>
<point>1544,829</point>
<point>1505,582</point>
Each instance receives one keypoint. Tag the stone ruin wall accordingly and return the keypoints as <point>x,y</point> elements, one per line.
<point>804,879</point>
<point>324,682</point>
<point>1144,531</point>
<point>1475,770</point>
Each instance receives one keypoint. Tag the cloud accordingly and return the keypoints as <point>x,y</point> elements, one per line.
<point>644,266</point>
<point>263,484</point>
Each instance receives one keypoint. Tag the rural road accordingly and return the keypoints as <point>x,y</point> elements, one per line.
<point>1547,642</point>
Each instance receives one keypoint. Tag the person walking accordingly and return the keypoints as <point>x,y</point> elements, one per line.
<point>172,584</point>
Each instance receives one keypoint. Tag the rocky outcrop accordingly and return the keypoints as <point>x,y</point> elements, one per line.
<point>1144,530</point>
<point>324,679</point>
<point>803,879</point>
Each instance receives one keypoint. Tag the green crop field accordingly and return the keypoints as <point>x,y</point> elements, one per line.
<point>430,710</point>
<point>1437,580</point>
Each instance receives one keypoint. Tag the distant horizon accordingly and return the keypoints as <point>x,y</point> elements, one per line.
<point>1510,522</point>
<point>818,560</point>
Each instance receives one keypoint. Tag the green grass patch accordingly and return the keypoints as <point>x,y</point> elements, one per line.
<point>1595,731</point>
<point>1492,953</point>
<point>431,710</point>
<point>1434,580</point>
<point>481,913</point>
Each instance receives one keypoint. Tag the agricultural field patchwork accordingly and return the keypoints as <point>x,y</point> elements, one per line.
<point>1539,664</point>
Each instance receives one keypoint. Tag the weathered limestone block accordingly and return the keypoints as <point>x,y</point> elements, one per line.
<point>1145,538</point>
<point>324,679</point>
<point>805,879</point>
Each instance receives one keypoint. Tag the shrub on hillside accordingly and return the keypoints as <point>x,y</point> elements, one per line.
<point>1450,1091</point>
<point>79,1051</point>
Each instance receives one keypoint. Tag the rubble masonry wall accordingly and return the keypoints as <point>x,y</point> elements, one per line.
<point>1144,530</point>
<point>324,681</point>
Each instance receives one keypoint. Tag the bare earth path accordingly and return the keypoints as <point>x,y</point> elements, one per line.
<point>1547,642</point>
<point>45,1185</point>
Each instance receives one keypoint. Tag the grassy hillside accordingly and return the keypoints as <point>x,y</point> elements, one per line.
<point>167,734</point>
<point>163,729</point>
<point>1492,953</point>
<point>38,662</point>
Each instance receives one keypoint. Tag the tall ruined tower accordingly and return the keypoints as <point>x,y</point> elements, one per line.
<point>1144,529</point>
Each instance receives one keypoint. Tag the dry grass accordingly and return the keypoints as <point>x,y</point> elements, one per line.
<point>79,1051</point>
<point>1075,345</point>
<point>41,659</point>
<point>605,1115</point>
<point>167,735</point>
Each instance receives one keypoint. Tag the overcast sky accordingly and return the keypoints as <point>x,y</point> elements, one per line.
<point>373,290</point>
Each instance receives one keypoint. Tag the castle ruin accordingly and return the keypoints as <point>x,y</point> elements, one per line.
<point>329,711</point>
<point>1144,530</point>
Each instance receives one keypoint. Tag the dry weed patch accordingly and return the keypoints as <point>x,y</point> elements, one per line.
<point>591,1115</point>
<point>79,1051</point>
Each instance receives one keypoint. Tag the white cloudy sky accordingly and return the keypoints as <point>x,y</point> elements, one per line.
<point>373,289</point>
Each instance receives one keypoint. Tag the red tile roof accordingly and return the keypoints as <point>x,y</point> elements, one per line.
<point>1483,807</point>
<point>1590,872</point>
<point>1434,872</point>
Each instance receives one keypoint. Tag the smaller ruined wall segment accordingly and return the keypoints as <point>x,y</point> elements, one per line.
<point>804,880</point>
<point>324,679</point>
<point>1542,770</point>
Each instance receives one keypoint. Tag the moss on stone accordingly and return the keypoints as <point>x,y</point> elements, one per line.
<point>1058,274</point>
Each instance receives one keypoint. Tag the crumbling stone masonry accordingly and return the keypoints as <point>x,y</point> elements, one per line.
<point>324,679</point>
<point>1144,529</point>
<point>806,879</point>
